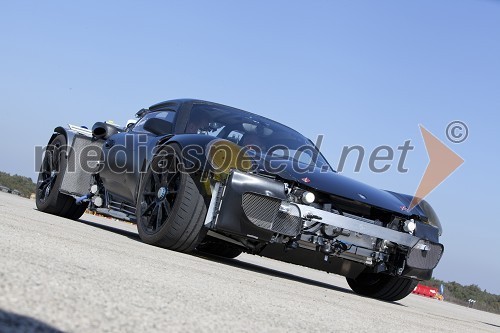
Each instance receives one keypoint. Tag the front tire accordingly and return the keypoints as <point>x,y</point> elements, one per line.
<point>170,208</point>
<point>382,286</point>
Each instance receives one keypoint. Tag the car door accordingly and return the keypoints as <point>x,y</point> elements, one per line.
<point>125,156</point>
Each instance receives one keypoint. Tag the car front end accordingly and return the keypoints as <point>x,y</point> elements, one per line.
<point>292,222</point>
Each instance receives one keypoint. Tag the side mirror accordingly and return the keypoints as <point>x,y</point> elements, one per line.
<point>130,123</point>
<point>158,126</point>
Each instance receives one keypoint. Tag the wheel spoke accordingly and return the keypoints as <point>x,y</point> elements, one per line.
<point>149,208</point>
<point>164,167</point>
<point>49,161</point>
<point>167,207</point>
<point>55,159</point>
<point>156,180</point>
<point>153,216</point>
<point>172,177</point>
<point>163,163</point>
<point>44,186</point>
<point>44,182</point>
<point>159,216</point>
<point>151,188</point>
<point>45,169</point>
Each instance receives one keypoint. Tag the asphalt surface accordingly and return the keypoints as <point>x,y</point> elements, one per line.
<point>95,275</point>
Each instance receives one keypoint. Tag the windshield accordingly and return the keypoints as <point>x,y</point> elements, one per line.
<point>261,136</point>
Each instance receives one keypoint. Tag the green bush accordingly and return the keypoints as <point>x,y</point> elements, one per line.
<point>454,292</point>
<point>24,185</point>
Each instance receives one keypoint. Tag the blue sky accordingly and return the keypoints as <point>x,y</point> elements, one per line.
<point>361,73</point>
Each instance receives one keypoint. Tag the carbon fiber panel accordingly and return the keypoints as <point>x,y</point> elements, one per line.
<point>266,212</point>
<point>425,259</point>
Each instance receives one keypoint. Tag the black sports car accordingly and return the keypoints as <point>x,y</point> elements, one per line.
<point>196,175</point>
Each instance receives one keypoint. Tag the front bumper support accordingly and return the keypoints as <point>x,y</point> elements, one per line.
<point>362,227</point>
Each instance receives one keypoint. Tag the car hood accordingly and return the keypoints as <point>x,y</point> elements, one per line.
<point>333,183</point>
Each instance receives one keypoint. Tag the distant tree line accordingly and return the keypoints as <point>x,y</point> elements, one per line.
<point>456,293</point>
<point>24,185</point>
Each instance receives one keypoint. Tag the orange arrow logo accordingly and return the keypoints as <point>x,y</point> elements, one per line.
<point>442,163</point>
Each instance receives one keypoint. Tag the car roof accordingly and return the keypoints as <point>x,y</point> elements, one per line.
<point>179,101</point>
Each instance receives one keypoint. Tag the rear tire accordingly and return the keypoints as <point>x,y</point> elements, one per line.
<point>170,208</point>
<point>50,177</point>
<point>382,286</point>
<point>77,210</point>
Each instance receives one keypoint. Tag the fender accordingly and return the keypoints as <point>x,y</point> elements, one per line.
<point>69,134</point>
<point>423,208</point>
<point>194,149</point>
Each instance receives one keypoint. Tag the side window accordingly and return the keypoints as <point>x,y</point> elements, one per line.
<point>165,115</point>
<point>198,123</point>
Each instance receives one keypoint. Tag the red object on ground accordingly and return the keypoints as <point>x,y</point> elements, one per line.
<point>420,289</point>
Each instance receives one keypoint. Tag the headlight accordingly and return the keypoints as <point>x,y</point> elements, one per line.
<point>431,215</point>
<point>308,197</point>
<point>410,226</point>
